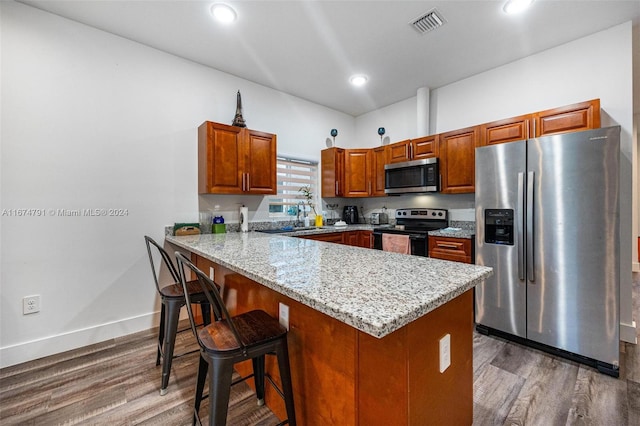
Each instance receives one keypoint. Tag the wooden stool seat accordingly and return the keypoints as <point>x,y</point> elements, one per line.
<point>255,328</point>
<point>176,290</point>
<point>229,340</point>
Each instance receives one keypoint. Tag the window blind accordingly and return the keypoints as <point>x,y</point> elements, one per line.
<point>293,174</point>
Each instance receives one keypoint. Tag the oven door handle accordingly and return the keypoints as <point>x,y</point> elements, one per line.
<point>417,237</point>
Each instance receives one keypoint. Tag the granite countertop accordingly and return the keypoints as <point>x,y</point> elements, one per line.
<point>454,233</point>
<point>374,291</point>
<point>329,229</point>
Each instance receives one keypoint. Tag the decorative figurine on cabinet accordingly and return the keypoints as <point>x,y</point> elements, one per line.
<point>238,121</point>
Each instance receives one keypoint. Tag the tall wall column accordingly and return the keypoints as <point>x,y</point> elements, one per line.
<point>422,109</point>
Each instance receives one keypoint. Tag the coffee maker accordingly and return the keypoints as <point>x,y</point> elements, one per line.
<point>350,214</point>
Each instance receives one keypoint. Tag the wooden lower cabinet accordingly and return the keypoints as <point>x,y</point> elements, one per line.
<point>350,238</point>
<point>365,239</point>
<point>450,248</point>
<point>342,376</point>
<point>334,237</point>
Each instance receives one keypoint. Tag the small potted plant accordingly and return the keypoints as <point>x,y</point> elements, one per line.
<point>308,194</point>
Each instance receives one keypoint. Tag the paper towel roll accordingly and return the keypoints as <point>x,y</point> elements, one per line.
<point>244,219</point>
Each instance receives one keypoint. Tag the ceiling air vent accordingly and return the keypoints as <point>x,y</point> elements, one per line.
<point>427,22</point>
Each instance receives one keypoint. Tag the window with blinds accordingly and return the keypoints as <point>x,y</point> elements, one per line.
<point>293,174</point>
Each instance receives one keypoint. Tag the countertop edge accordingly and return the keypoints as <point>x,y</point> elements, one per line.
<point>378,330</point>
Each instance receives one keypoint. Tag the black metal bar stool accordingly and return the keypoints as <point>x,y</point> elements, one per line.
<point>172,297</point>
<point>251,335</point>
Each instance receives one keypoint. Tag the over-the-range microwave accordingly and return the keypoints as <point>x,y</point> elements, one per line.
<point>417,176</point>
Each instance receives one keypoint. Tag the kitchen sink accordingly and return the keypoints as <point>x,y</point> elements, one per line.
<point>274,231</point>
<point>289,230</point>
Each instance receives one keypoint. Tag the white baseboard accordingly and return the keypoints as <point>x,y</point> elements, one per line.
<point>628,333</point>
<point>28,351</point>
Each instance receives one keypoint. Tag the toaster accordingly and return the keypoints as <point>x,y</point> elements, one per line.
<point>379,218</point>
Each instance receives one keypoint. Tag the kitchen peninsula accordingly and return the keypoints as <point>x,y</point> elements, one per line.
<point>365,325</point>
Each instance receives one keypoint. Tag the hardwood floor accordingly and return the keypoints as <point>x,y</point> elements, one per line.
<point>117,383</point>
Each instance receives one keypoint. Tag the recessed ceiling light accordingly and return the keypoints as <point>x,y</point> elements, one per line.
<point>358,80</point>
<point>516,6</point>
<point>223,13</point>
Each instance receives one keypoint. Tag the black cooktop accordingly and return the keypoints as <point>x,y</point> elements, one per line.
<point>417,220</point>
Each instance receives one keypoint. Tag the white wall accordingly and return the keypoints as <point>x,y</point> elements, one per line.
<point>91,120</point>
<point>596,66</point>
<point>399,121</point>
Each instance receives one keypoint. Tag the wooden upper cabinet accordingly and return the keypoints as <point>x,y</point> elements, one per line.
<point>570,118</point>
<point>507,130</point>
<point>399,152</point>
<point>425,147</point>
<point>332,165</point>
<point>353,172</point>
<point>260,162</point>
<point>220,160</point>
<point>357,166</point>
<point>413,149</point>
<point>457,160</point>
<point>235,160</point>
<point>379,157</point>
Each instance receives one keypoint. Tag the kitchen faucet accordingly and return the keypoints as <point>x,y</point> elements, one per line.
<point>298,222</point>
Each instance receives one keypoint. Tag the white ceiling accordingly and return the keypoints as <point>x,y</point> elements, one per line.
<point>310,48</point>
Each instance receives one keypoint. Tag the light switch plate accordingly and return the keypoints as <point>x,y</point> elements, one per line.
<point>445,352</point>
<point>283,315</point>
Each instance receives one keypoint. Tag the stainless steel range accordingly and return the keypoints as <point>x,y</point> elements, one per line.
<point>415,223</point>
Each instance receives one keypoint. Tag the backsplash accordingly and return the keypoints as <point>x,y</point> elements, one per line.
<point>460,207</point>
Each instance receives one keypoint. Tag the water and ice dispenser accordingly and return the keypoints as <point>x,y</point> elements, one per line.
<point>498,226</point>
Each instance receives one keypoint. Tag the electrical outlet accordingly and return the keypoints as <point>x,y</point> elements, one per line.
<point>283,315</point>
<point>445,352</point>
<point>30,304</point>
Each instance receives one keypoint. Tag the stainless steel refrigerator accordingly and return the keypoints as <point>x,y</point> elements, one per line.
<point>547,221</point>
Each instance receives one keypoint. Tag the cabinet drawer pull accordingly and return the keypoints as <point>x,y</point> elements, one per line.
<point>449,246</point>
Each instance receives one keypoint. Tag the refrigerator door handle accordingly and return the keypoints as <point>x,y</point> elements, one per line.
<point>530,202</point>
<point>520,226</point>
